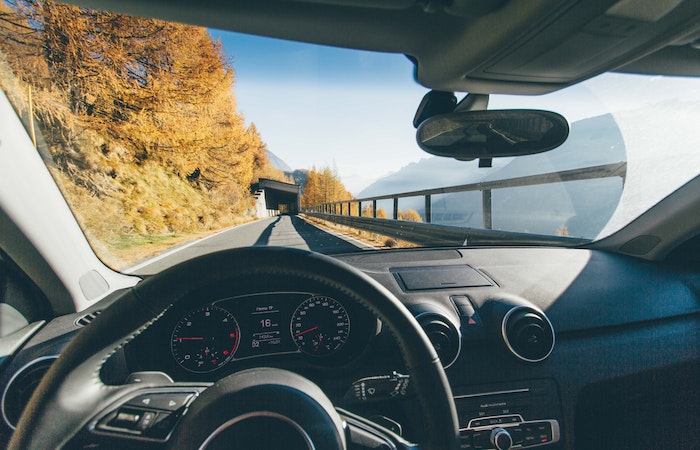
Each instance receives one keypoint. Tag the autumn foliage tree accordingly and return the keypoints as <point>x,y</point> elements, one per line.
<point>128,104</point>
<point>409,215</point>
<point>323,186</point>
<point>368,211</point>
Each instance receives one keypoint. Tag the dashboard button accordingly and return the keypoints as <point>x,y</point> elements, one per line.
<point>465,440</point>
<point>517,434</point>
<point>544,432</point>
<point>481,439</point>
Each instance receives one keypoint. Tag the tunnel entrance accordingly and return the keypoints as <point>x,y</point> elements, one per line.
<point>276,197</point>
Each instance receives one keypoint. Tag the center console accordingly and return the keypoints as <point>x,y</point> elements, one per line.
<point>514,416</point>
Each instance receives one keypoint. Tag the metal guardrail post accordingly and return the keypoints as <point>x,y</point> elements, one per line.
<point>359,209</point>
<point>374,209</point>
<point>396,208</point>
<point>486,209</point>
<point>428,209</point>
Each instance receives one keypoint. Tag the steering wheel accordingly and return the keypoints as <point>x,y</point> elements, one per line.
<point>73,396</point>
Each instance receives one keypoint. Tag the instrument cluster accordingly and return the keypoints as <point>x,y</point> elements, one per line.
<point>211,336</point>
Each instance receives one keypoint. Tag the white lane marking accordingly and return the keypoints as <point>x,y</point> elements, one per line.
<point>171,252</point>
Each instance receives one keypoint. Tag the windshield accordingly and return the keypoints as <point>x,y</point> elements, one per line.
<point>169,141</point>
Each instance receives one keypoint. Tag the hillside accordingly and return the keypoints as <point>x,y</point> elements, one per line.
<point>137,119</point>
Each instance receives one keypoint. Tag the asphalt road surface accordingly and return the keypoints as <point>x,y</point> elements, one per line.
<point>286,231</point>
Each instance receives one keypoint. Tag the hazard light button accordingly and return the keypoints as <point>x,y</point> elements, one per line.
<point>470,318</point>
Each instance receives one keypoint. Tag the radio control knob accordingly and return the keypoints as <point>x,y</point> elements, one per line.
<point>501,439</point>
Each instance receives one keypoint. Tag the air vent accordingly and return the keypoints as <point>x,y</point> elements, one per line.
<point>528,333</point>
<point>445,337</point>
<point>87,318</point>
<point>21,388</point>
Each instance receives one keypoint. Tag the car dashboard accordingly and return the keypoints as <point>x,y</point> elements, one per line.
<point>555,347</point>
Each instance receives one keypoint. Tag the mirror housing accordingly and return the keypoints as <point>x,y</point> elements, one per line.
<point>468,135</point>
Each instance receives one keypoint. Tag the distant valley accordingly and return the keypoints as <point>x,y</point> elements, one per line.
<point>578,208</point>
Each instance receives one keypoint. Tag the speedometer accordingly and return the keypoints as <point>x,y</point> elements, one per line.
<point>205,339</point>
<point>320,326</point>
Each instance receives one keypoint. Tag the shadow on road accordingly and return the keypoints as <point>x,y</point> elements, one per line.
<point>320,241</point>
<point>264,238</point>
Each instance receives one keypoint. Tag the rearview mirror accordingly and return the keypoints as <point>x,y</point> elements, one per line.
<point>468,135</point>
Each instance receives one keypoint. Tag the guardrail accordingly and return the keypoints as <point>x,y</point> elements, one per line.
<point>426,233</point>
<point>432,235</point>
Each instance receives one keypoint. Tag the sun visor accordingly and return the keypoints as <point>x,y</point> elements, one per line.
<point>582,43</point>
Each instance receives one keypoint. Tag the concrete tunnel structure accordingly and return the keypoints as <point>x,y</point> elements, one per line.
<point>276,197</point>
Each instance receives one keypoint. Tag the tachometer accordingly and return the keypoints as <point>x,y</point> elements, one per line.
<point>320,326</point>
<point>205,339</point>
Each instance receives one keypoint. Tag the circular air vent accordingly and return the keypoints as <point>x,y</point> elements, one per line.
<point>21,388</point>
<point>445,337</point>
<point>528,333</point>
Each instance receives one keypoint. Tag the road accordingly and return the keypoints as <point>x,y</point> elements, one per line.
<point>286,231</point>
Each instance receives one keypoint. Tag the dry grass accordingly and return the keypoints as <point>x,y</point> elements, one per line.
<point>368,237</point>
<point>150,211</point>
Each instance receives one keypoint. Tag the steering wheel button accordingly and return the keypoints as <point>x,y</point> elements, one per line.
<point>146,420</point>
<point>126,419</point>
<point>167,402</point>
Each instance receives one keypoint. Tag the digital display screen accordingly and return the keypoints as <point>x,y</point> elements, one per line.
<point>266,329</point>
<point>264,321</point>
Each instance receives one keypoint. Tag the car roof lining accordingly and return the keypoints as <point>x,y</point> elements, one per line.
<point>538,46</point>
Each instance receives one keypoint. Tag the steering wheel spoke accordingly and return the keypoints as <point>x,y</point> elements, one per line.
<point>365,434</point>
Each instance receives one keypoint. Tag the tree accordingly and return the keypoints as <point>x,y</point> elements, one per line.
<point>130,106</point>
<point>324,186</point>
<point>368,210</point>
<point>410,215</point>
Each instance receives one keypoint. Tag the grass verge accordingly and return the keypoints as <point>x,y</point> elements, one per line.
<point>374,239</point>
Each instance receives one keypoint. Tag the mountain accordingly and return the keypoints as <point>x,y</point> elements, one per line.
<point>430,173</point>
<point>277,162</point>
<point>299,177</point>
<point>579,208</point>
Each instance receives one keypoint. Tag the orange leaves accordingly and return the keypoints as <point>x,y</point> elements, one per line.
<point>323,186</point>
<point>139,115</point>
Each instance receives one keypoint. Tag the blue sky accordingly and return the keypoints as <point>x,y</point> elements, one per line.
<point>323,106</point>
<point>353,110</point>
